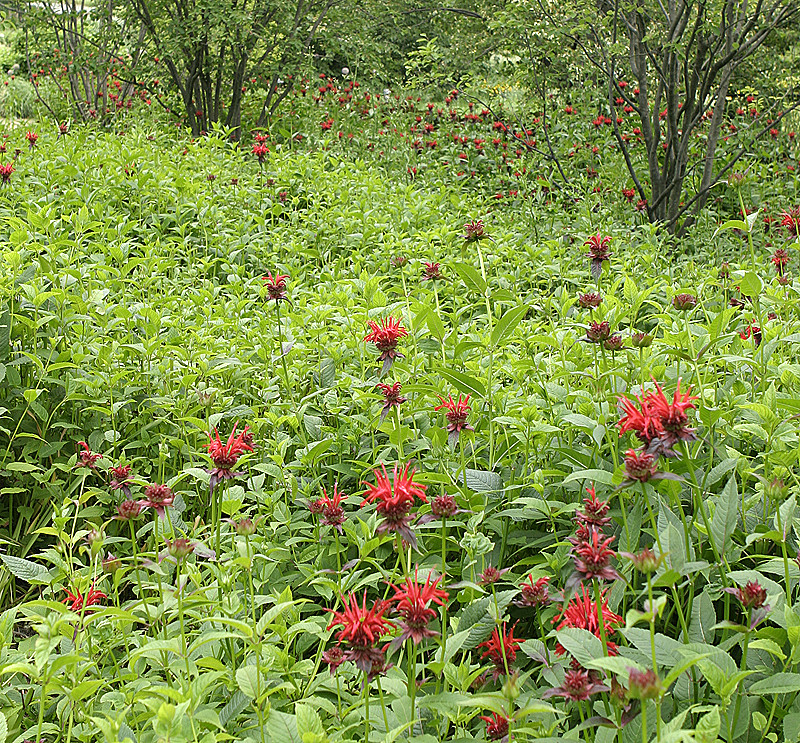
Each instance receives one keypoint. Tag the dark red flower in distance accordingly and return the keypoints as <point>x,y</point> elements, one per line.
<point>129,509</point>
<point>640,465</point>
<point>591,300</point>
<point>361,629</point>
<point>395,498</point>
<point>598,252</point>
<point>225,456</point>
<point>790,221</point>
<point>392,398</point>
<point>331,508</point>
<point>780,258</point>
<point>78,602</point>
<point>385,335</point>
<point>491,575</point>
<point>672,417</point>
<point>752,331</point>
<point>495,647</point>
<point>32,138</point>
<point>614,343</point>
<point>398,261</point>
<point>157,497</point>
<point>334,657</point>
<point>496,726</point>
<point>5,172</point>
<point>276,287</point>
<point>86,457</point>
<point>431,271</point>
<point>456,416</point>
<point>412,601</point>
<point>752,596</point>
<point>595,511</point>
<point>444,506</point>
<point>579,685</point>
<point>597,332</point>
<point>474,231</point>
<point>581,612</point>
<point>684,302</point>
<point>593,557</point>
<point>534,593</point>
<point>121,477</point>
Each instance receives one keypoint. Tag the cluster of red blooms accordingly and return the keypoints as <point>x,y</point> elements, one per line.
<point>456,417</point>
<point>5,172</point>
<point>591,548</point>
<point>330,508</point>
<point>362,628</point>
<point>598,252</point>
<point>276,287</point>
<point>660,424</point>
<point>385,335</point>
<point>790,221</point>
<point>395,497</point>
<point>226,455</point>
<point>79,602</point>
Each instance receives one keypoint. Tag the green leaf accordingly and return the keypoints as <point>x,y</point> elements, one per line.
<point>701,627</point>
<point>3,728</point>
<point>462,382</point>
<point>308,720</point>
<point>580,644</point>
<point>732,224</point>
<point>235,705</point>
<point>471,277</point>
<point>708,725</point>
<point>751,285</point>
<point>777,683</point>
<point>602,476</point>
<point>507,324</point>
<point>481,481</point>
<point>247,680</point>
<point>283,728</point>
<point>30,572</point>
<point>725,515</point>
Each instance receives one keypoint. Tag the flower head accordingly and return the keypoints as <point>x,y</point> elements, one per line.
<point>395,498</point>
<point>261,151</point>
<point>392,398</point>
<point>581,612</point>
<point>534,593</point>
<point>398,261</point>
<point>595,511</point>
<point>431,271</point>
<point>592,300</point>
<point>180,548</point>
<point>225,456</point>
<point>456,416</point>
<point>32,138</point>
<point>645,561</point>
<point>684,302</point>
<point>491,575</point>
<point>121,477</point>
<point>276,287</point>
<point>780,258</point>
<point>597,332</point>
<point>385,335</point>
<point>598,252</point>
<point>474,231</point>
<point>496,647</point>
<point>641,340</point>
<point>444,506</point>
<point>640,465</point>
<point>496,726</point>
<point>6,171</point>
<point>644,684</point>
<point>412,601</point>
<point>333,657</point>
<point>331,508</point>
<point>790,221</point>
<point>129,509</point>
<point>361,629</point>
<point>86,457</point>
<point>78,602</point>
<point>593,556</point>
<point>579,685</point>
<point>157,497</point>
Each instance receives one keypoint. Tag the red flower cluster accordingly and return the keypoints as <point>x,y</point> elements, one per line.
<point>658,422</point>
<point>226,455</point>
<point>276,287</point>
<point>581,612</point>
<point>385,335</point>
<point>790,221</point>
<point>501,651</point>
<point>362,628</point>
<point>412,601</point>
<point>456,416</point>
<point>579,685</point>
<point>5,172</point>
<point>260,151</point>
<point>330,508</point>
<point>590,546</point>
<point>86,457</point>
<point>598,252</point>
<point>78,602</point>
<point>395,497</point>
<point>392,398</point>
<point>157,497</point>
<point>496,726</point>
<point>534,594</point>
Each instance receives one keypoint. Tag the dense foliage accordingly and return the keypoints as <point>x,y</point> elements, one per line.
<point>375,428</point>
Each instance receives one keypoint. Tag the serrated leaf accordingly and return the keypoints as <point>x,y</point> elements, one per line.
<point>471,277</point>
<point>462,382</point>
<point>725,515</point>
<point>777,683</point>
<point>247,680</point>
<point>27,570</point>
<point>283,728</point>
<point>308,720</point>
<point>235,705</point>
<point>481,481</point>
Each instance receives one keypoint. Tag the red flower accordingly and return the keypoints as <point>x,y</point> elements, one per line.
<point>779,259</point>
<point>158,497</point>
<point>32,138</point>
<point>752,596</point>
<point>594,511</point>
<point>129,509</point>
<point>444,506</point>
<point>392,398</point>
<point>597,332</point>
<point>684,302</point>
<point>334,657</point>
<point>87,458</point>
<point>431,271</point>
<point>276,286</point>
<point>752,330</point>
<point>496,726</point>
<point>590,300</point>
<point>361,629</point>
<point>413,603</point>
<point>456,416</point>
<point>385,335</point>
<point>121,476</point>
<point>640,466</point>
<point>78,602</point>
<point>581,612</point>
<point>331,508</point>
<point>6,171</point>
<point>395,498</point>
<point>593,556</point>
<point>474,230</point>
<point>226,455</point>
<point>790,219</point>
<point>579,685</point>
<point>495,647</point>
<point>534,593</point>
<point>598,252</point>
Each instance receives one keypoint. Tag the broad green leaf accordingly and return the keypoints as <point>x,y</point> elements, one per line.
<point>507,324</point>
<point>462,382</point>
<point>471,277</point>
<point>27,570</point>
<point>777,683</point>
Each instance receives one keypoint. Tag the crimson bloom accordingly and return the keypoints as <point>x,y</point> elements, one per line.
<point>5,172</point>
<point>395,497</point>
<point>78,602</point>
<point>474,231</point>
<point>579,685</point>
<point>226,455</point>
<point>496,646</point>
<point>392,398</point>
<point>456,417</point>
<point>129,509</point>
<point>276,287</point>
<point>597,332</point>
<point>496,726</point>
<point>790,221</point>
<point>121,477</point>
<point>593,557</point>
<point>581,612</point>
<point>157,497</point>
<point>779,259</point>
<point>86,457</point>
<point>385,335</point>
<point>32,138</point>
<point>331,509</point>
<point>261,151</point>
<point>598,252</point>
<point>413,603</point>
<point>362,628</point>
<point>431,271</point>
<point>534,593</point>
